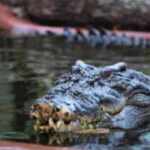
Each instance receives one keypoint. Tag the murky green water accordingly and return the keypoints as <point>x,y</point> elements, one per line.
<point>29,66</point>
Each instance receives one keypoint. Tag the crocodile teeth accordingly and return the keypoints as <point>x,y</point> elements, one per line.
<point>61,126</point>
<point>44,128</point>
<point>51,123</point>
<point>46,110</point>
<point>74,125</point>
<point>34,112</point>
<point>35,115</point>
<point>64,114</point>
<point>41,111</point>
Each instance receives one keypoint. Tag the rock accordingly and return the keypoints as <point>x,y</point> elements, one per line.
<point>64,10</point>
<point>13,2</point>
<point>124,14</point>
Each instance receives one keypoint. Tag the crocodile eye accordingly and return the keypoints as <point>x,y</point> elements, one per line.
<point>106,73</point>
<point>123,68</point>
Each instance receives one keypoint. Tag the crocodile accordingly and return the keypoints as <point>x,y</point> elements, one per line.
<point>90,97</point>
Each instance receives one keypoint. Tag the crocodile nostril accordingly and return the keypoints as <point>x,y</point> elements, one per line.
<point>123,68</point>
<point>57,109</point>
<point>66,114</point>
<point>106,73</point>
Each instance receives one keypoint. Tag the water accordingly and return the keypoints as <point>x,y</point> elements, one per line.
<point>29,66</point>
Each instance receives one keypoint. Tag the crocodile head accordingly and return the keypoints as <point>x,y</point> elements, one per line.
<point>86,96</point>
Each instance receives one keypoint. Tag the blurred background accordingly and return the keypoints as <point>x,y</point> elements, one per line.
<point>30,64</point>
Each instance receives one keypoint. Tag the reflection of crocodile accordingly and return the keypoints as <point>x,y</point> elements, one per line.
<point>87,96</point>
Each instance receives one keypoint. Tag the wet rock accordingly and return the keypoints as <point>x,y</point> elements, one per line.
<point>17,6</point>
<point>121,13</point>
<point>98,11</point>
<point>64,10</point>
<point>13,2</point>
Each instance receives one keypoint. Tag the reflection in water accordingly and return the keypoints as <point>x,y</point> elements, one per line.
<point>21,96</point>
<point>20,91</point>
<point>29,66</point>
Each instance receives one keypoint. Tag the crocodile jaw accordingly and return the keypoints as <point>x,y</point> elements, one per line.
<point>51,119</point>
<point>48,118</point>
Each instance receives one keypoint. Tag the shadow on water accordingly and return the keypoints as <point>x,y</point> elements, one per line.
<point>28,68</point>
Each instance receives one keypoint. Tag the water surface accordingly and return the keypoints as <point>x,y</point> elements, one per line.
<point>29,66</point>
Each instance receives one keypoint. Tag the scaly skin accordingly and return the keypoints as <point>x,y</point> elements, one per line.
<point>88,96</point>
